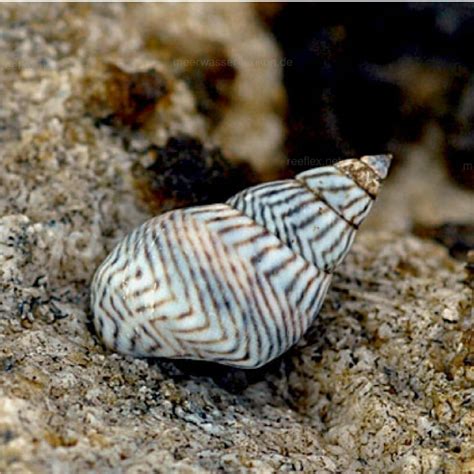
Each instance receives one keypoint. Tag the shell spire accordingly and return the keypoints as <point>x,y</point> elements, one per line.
<point>236,283</point>
<point>379,163</point>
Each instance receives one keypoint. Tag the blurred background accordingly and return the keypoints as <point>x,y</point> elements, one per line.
<point>366,78</point>
<point>372,78</point>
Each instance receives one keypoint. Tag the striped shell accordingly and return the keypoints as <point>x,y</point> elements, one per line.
<point>236,283</point>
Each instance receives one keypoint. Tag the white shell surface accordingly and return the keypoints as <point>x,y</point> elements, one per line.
<point>340,193</point>
<point>307,225</point>
<point>236,283</point>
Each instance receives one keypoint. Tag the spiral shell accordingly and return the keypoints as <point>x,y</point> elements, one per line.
<point>236,283</point>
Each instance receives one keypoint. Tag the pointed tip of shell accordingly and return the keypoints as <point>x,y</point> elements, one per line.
<point>379,163</point>
<point>367,172</point>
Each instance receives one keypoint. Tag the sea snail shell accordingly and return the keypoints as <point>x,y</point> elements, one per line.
<point>236,283</point>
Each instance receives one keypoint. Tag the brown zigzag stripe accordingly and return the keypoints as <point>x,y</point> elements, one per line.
<point>238,285</point>
<point>206,274</point>
<point>235,286</point>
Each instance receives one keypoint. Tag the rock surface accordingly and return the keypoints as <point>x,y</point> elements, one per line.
<point>383,380</point>
<point>382,383</point>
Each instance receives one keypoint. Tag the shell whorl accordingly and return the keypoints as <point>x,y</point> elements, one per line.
<point>237,283</point>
